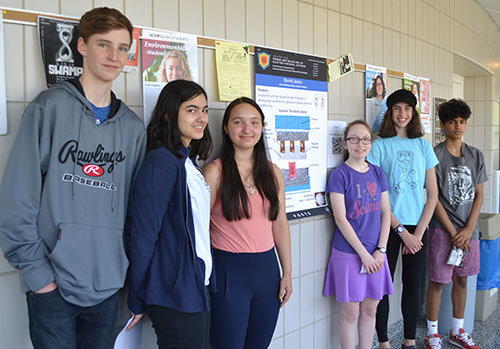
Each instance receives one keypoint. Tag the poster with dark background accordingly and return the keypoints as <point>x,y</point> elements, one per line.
<point>58,42</point>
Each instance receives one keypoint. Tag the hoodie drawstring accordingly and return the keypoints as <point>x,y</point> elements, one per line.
<point>117,137</point>
<point>80,131</point>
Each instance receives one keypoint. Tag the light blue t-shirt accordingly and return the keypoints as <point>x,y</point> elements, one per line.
<point>404,161</point>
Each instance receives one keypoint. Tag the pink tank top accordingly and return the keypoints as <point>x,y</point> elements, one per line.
<point>246,235</point>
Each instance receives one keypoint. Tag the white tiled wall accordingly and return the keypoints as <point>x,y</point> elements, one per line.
<point>417,36</point>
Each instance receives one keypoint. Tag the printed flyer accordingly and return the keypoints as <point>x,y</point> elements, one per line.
<point>425,101</point>
<point>166,56</point>
<point>58,42</point>
<point>412,84</point>
<point>340,67</point>
<point>292,91</point>
<point>335,152</point>
<point>133,52</point>
<point>233,70</point>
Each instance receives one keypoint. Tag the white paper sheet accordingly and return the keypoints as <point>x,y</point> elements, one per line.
<point>131,339</point>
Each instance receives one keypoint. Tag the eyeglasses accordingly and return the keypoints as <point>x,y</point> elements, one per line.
<point>355,140</point>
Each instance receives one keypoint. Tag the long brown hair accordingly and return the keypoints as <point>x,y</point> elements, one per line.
<point>234,197</point>
<point>413,129</point>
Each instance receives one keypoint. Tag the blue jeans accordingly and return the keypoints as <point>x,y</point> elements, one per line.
<point>57,324</point>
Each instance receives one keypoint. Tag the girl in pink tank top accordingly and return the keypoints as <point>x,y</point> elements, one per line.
<point>247,194</point>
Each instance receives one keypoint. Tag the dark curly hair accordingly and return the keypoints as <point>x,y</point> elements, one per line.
<point>452,109</point>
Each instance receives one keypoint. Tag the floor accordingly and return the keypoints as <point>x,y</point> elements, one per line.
<point>486,334</point>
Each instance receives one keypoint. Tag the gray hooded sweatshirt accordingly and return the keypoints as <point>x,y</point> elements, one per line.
<point>65,192</point>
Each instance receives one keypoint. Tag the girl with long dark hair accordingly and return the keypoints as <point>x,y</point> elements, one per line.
<point>248,220</point>
<point>170,254</point>
<point>408,162</point>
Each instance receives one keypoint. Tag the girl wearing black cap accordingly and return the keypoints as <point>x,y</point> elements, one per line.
<point>408,162</point>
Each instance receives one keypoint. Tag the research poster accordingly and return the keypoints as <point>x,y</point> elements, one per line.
<point>292,92</point>
<point>58,42</point>
<point>376,95</point>
<point>166,56</point>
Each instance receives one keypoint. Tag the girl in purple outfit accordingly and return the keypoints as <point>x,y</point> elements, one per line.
<point>358,274</point>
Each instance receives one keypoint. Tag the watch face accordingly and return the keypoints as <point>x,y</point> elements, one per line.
<point>382,249</point>
<point>400,229</point>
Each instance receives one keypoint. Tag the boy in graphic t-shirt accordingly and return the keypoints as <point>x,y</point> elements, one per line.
<point>460,175</point>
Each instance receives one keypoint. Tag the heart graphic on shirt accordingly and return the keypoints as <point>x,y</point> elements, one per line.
<point>372,188</point>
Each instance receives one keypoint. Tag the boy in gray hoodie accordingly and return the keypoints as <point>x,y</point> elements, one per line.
<point>65,192</point>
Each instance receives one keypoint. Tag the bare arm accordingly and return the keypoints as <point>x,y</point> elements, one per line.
<point>212,176</point>
<point>385,226</point>
<point>445,221</point>
<point>281,234</point>
<point>462,238</point>
<point>430,204</point>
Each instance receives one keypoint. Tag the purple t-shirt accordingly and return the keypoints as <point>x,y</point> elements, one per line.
<point>362,195</point>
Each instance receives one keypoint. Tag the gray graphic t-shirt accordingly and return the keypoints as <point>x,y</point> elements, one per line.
<point>457,179</point>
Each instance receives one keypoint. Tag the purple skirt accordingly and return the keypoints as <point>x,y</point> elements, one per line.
<point>344,280</point>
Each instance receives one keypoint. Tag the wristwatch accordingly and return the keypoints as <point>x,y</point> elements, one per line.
<point>399,229</point>
<point>382,250</point>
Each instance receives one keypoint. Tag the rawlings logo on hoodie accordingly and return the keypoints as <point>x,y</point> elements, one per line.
<point>90,161</point>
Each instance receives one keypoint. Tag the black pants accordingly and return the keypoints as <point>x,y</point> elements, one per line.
<point>413,269</point>
<point>246,306</point>
<point>176,330</point>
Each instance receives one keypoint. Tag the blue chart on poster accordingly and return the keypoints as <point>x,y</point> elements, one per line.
<point>292,91</point>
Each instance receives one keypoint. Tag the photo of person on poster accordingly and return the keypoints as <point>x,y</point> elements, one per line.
<point>174,66</point>
<point>376,102</point>
<point>415,89</point>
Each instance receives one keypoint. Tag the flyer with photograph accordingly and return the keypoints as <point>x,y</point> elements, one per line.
<point>376,95</point>
<point>166,56</point>
<point>412,84</point>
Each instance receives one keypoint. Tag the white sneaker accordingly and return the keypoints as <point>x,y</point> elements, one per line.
<point>432,341</point>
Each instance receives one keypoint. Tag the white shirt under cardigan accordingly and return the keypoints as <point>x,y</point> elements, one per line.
<point>200,203</point>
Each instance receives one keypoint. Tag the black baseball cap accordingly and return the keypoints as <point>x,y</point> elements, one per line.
<point>401,95</point>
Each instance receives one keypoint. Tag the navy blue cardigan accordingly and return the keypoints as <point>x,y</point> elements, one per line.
<point>164,269</point>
